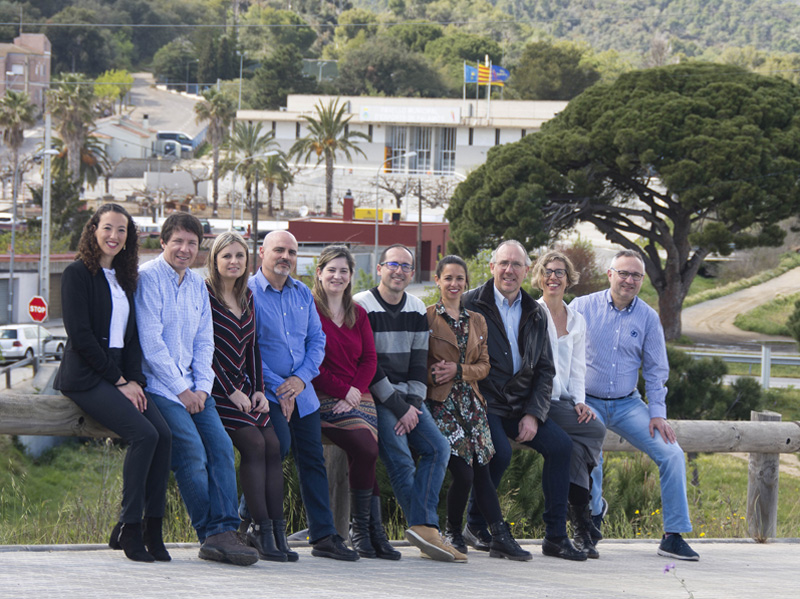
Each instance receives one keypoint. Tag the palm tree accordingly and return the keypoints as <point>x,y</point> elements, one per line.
<point>71,103</point>
<point>16,112</point>
<point>277,174</point>
<point>328,133</point>
<point>219,111</point>
<point>94,161</point>
<point>246,145</point>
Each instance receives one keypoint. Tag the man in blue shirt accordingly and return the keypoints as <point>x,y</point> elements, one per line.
<point>292,348</point>
<point>624,334</point>
<point>177,339</point>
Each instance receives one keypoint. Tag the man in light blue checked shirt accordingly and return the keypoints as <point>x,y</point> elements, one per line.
<point>177,338</point>
<point>624,334</point>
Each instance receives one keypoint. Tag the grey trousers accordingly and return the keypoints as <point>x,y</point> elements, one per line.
<point>587,440</point>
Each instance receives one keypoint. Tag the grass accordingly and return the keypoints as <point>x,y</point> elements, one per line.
<point>769,318</point>
<point>703,289</point>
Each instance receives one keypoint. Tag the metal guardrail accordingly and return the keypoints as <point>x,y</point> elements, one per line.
<point>765,360</point>
<point>6,370</point>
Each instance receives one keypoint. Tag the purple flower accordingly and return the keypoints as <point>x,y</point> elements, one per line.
<point>668,567</point>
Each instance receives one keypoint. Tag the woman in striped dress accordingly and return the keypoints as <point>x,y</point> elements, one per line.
<point>239,394</point>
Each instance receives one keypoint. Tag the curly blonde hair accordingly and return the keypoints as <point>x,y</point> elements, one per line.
<point>573,276</point>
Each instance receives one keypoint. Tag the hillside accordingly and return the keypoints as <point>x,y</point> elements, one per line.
<point>693,26</point>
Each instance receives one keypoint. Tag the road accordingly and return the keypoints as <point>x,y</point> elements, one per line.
<point>711,323</point>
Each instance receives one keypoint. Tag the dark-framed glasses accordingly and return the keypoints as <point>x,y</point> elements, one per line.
<point>560,273</point>
<point>624,274</point>
<point>395,265</point>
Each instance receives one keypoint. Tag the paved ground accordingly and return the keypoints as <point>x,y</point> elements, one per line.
<point>711,322</point>
<point>632,569</point>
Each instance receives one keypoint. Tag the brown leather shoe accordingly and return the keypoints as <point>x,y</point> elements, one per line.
<point>228,547</point>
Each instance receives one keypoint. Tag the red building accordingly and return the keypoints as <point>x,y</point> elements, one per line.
<point>361,234</point>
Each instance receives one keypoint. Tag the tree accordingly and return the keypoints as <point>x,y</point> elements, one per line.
<point>71,103</point>
<point>79,48</point>
<point>245,148</point>
<point>675,162</point>
<point>16,113</point>
<point>94,162</point>
<point>280,75</point>
<point>276,174</point>
<point>552,72</point>
<point>67,210</point>
<point>328,134</point>
<point>415,36</point>
<point>267,27</point>
<point>113,85</point>
<point>382,67</point>
<point>219,111</point>
<point>171,60</point>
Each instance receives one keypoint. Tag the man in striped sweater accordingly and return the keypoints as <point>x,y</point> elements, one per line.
<point>400,326</point>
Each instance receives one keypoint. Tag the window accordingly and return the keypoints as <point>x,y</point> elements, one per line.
<point>497,137</point>
<point>370,132</point>
<point>395,147</point>
<point>274,126</point>
<point>524,133</point>
<point>297,130</point>
<point>445,150</point>
<point>421,138</point>
<point>471,134</point>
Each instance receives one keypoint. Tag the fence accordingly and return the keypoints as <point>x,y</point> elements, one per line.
<point>764,437</point>
<point>765,360</point>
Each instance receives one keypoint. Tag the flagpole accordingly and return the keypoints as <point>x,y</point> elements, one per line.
<point>489,90</point>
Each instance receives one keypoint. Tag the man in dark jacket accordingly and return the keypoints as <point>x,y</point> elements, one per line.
<point>517,393</point>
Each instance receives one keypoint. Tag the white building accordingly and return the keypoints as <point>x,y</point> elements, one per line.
<point>124,138</point>
<point>449,137</point>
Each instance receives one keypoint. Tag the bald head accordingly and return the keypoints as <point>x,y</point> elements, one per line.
<point>278,257</point>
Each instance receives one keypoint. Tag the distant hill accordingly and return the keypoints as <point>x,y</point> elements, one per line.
<point>692,26</point>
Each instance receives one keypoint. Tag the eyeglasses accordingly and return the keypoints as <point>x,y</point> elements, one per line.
<point>560,273</point>
<point>395,265</point>
<point>624,274</point>
<point>513,265</point>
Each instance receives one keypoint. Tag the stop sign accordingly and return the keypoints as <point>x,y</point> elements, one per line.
<point>37,309</point>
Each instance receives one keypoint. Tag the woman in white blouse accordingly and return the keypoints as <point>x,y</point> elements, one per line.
<point>554,274</point>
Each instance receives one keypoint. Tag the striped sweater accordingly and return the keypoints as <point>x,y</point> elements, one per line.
<point>401,342</point>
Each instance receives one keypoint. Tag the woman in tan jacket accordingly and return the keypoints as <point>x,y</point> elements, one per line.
<point>457,359</point>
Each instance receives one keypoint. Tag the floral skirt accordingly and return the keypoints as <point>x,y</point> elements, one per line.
<point>462,419</point>
<point>363,417</point>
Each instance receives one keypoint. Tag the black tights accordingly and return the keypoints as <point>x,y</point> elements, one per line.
<point>260,471</point>
<point>473,478</point>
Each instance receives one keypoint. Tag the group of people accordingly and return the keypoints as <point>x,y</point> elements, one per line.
<point>185,369</point>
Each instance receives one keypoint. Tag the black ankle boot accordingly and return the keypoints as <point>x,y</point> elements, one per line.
<point>377,533</point>
<point>279,532</point>
<point>452,534</point>
<point>113,540</point>
<point>504,545</point>
<point>262,537</point>
<point>154,539</point>
<point>360,506</point>
<point>581,519</point>
<point>130,539</point>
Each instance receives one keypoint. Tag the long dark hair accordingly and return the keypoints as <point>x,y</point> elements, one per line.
<point>331,253</point>
<point>212,274</point>
<point>125,263</point>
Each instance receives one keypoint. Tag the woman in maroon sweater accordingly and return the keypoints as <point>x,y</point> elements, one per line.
<point>347,410</point>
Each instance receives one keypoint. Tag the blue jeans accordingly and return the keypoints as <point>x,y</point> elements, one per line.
<point>630,419</point>
<point>304,436</point>
<point>555,446</point>
<point>416,487</point>
<point>202,460</point>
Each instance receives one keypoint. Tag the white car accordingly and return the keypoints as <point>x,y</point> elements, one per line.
<point>19,341</point>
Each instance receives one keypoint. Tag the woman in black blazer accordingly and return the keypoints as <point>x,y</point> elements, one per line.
<point>101,371</point>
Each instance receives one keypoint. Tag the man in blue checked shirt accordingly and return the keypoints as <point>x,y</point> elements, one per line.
<point>292,348</point>
<point>177,339</point>
<point>624,334</point>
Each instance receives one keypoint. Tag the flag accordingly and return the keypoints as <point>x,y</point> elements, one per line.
<point>484,74</point>
<point>470,74</point>
<point>500,75</point>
